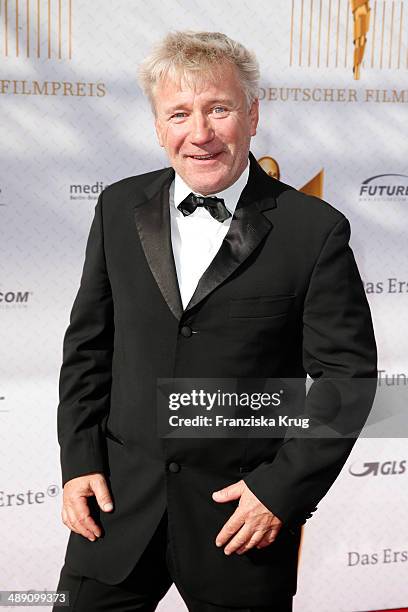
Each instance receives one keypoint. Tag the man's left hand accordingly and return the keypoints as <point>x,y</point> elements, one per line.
<point>251,525</point>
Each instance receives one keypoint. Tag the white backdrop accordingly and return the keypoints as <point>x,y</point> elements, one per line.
<point>73,119</point>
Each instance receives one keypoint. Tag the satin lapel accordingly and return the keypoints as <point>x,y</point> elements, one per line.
<point>152,218</point>
<point>248,228</point>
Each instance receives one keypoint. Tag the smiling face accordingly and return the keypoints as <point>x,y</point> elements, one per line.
<point>206,129</point>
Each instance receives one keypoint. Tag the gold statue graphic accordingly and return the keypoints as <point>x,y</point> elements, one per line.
<point>270,166</point>
<point>313,187</point>
<point>361,16</point>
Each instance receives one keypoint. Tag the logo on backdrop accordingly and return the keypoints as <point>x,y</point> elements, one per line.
<point>386,556</point>
<point>15,299</point>
<point>392,379</point>
<point>313,187</point>
<point>349,35</point>
<point>355,36</point>
<point>86,191</point>
<point>391,285</point>
<point>52,88</point>
<point>28,497</point>
<point>384,188</point>
<point>41,30</point>
<point>378,468</point>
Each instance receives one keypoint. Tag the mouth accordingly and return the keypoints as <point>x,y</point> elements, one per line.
<point>206,157</point>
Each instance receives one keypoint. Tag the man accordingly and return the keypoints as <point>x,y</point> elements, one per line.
<point>207,269</point>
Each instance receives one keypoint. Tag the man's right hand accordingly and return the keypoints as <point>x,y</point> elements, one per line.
<point>75,510</point>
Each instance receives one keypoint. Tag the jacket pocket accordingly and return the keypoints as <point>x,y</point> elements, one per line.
<point>265,306</point>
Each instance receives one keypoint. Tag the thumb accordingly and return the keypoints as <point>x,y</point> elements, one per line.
<point>233,491</point>
<point>101,492</point>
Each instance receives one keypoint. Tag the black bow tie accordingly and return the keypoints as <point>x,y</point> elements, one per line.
<point>214,205</point>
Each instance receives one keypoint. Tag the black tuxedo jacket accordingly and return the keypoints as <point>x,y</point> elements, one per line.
<point>282,298</point>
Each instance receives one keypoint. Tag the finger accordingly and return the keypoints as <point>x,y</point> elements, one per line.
<point>100,488</point>
<point>89,523</point>
<point>233,491</point>
<point>82,522</point>
<point>80,517</point>
<point>269,537</point>
<point>264,543</point>
<point>251,543</point>
<point>234,523</point>
<point>77,525</point>
<point>65,519</point>
<point>242,540</point>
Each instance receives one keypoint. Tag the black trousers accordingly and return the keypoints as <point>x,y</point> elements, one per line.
<point>145,586</point>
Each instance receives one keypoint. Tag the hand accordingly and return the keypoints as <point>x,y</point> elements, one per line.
<point>75,510</point>
<point>252,524</point>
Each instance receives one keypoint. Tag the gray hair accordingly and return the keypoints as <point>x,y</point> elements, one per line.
<point>198,55</point>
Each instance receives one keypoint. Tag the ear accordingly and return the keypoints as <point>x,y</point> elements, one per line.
<point>159,131</point>
<point>254,116</point>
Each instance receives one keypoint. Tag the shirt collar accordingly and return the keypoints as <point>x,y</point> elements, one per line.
<point>230,195</point>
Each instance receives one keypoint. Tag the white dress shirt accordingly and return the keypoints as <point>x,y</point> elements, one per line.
<point>197,238</point>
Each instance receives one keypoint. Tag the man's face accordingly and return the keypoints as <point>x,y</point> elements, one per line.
<point>206,129</point>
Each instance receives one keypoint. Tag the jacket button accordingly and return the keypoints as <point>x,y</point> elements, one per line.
<point>174,467</point>
<point>186,331</point>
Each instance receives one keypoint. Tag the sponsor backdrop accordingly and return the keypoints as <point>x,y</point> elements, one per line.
<point>334,104</point>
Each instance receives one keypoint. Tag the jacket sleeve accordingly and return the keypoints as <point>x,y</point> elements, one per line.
<point>338,344</point>
<point>86,372</point>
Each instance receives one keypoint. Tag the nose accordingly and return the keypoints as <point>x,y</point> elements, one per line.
<point>202,130</point>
